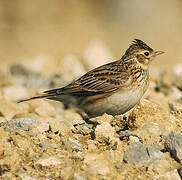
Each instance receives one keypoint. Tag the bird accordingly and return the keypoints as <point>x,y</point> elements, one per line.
<point>114,88</point>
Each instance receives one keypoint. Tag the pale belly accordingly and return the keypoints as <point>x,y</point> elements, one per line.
<point>117,103</point>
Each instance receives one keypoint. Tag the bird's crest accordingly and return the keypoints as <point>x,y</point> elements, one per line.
<point>139,44</point>
<point>136,46</point>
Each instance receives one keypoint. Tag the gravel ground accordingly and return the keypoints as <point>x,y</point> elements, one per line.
<point>43,139</point>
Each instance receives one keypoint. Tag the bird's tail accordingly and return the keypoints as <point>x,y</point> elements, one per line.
<point>36,97</point>
<point>48,94</point>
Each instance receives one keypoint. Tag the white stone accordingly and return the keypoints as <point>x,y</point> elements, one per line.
<point>133,139</point>
<point>171,175</point>
<point>175,93</point>
<point>105,130</point>
<point>178,70</point>
<point>43,127</point>
<point>50,161</point>
<point>72,117</point>
<point>104,118</point>
<point>14,93</point>
<point>96,164</point>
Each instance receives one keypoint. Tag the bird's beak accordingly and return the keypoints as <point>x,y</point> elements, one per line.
<point>156,53</point>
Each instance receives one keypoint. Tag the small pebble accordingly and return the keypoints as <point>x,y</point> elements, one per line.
<point>171,175</point>
<point>19,92</point>
<point>133,139</point>
<point>104,131</point>
<point>75,144</point>
<point>43,127</point>
<point>20,124</point>
<point>139,153</point>
<point>160,166</point>
<point>136,153</point>
<point>50,161</point>
<point>173,144</point>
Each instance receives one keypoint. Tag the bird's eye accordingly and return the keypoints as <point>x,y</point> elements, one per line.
<point>146,53</point>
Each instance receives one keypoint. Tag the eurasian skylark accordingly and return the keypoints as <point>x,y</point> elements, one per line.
<point>113,88</point>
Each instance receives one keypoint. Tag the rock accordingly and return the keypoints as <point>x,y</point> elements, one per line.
<point>43,108</point>
<point>77,155</point>
<point>78,177</point>
<point>171,175</point>
<point>58,107</point>
<point>104,131</point>
<point>66,172</point>
<point>10,110</point>
<point>153,121</point>
<point>43,127</point>
<point>14,93</point>
<point>96,164</point>
<point>155,152</point>
<point>151,132</point>
<point>136,153</point>
<point>66,122</point>
<point>71,68</point>
<point>50,161</point>
<point>2,120</point>
<point>41,64</point>
<point>35,82</point>
<point>30,79</point>
<point>159,166</point>
<point>173,107</point>
<point>8,175</point>
<point>177,70</point>
<point>91,146</point>
<point>11,157</point>
<point>72,117</point>
<point>4,135</point>
<point>20,124</point>
<point>75,145</point>
<point>133,139</point>
<point>97,54</point>
<point>165,82</point>
<point>139,153</point>
<point>26,176</point>
<point>4,81</point>
<point>175,93</point>
<point>115,156</point>
<point>48,146</point>
<point>157,98</point>
<point>104,118</point>
<point>173,144</point>
<point>62,126</point>
<point>5,138</point>
<point>82,129</point>
<point>18,69</point>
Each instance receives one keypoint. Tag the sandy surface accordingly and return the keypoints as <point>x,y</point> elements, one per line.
<point>42,139</point>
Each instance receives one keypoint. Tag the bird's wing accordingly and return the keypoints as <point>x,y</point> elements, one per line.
<point>99,81</point>
<point>104,79</point>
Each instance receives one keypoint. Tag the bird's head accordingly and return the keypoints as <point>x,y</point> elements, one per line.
<point>142,52</point>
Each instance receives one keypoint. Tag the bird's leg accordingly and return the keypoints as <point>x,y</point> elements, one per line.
<point>131,120</point>
<point>85,116</point>
<point>132,117</point>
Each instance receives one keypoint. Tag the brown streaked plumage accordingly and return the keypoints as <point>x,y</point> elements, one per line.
<point>113,88</point>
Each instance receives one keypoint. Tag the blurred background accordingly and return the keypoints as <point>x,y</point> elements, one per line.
<point>50,30</point>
